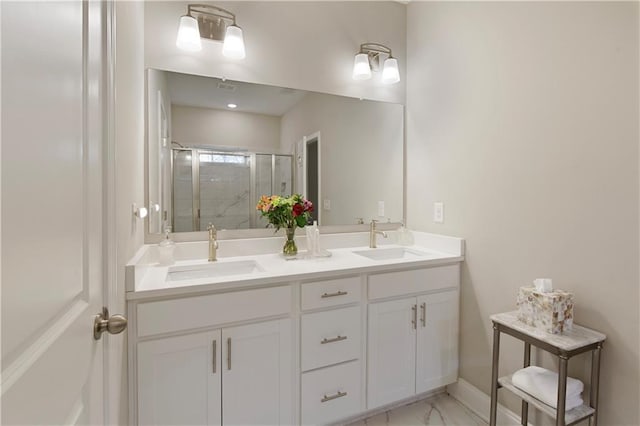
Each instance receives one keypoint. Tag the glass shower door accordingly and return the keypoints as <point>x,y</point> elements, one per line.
<point>262,184</point>
<point>224,183</point>
<point>183,218</point>
<point>282,170</point>
<point>272,177</point>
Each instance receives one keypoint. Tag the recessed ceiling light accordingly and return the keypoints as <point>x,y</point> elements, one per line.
<point>232,106</point>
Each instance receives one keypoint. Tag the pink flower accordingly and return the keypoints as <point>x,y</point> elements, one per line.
<point>308,206</point>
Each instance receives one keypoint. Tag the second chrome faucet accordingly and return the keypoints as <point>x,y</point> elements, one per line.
<point>373,232</point>
<point>213,242</point>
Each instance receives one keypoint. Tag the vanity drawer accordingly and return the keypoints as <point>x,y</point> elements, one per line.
<point>321,294</point>
<point>330,337</point>
<point>331,393</point>
<point>414,281</point>
<point>168,316</point>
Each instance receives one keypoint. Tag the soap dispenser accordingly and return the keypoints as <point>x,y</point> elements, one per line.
<point>165,249</point>
<point>312,242</point>
<point>405,237</point>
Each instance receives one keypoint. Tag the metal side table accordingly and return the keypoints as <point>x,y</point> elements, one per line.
<point>564,346</point>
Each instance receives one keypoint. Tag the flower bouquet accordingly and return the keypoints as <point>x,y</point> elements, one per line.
<point>286,212</point>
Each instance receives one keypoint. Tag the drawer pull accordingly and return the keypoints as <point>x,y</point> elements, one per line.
<point>414,315</point>
<point>423,317</point>
<point>335,339</point>
<point>331,397</point>
<point>338,293</point>
<point>229,353</point>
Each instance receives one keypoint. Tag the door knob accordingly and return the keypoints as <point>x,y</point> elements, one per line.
<point>103,322</point>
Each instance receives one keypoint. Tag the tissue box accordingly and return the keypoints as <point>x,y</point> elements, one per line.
<point>551,312</point>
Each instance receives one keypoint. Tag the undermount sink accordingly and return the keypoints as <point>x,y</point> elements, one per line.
<point>213,270</point>
<point>391,253</point>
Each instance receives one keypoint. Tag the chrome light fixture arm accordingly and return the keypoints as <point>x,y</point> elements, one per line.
<point>373,51</point>
<point>218,12</point>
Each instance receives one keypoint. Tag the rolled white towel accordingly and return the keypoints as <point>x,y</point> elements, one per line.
<point>543,385</point>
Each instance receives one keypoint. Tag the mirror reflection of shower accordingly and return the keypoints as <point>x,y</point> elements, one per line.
<point>222,187</point>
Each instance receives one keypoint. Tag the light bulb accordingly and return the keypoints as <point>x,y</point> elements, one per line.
<point>361,68</point>
<point>188,34</point>
<point>233,46</point>
<point>390,73</point>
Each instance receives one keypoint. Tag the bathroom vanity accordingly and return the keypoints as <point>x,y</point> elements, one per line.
<point>257,339</point>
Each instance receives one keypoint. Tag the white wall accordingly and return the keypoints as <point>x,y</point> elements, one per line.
<point>129,141</point>
<point>360,154</point>
<point>523,119</point>
<point>302,45</point>
<point>207,126</point>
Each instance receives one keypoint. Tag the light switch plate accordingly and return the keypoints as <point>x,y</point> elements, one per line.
<point>438,212</point>
<point>381,208</point>
<point>326,204</point>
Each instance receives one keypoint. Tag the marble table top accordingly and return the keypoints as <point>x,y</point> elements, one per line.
<point>576,338</point>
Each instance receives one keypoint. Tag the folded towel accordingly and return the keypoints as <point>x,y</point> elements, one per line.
<point>543,385</point>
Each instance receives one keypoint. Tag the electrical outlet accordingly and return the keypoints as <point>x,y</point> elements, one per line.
<point>326,204</point>
<point>381,208</point>
<point>438,212</point>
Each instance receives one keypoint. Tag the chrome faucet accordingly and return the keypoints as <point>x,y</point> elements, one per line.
<point>372,234</point>
<point>213,242</point>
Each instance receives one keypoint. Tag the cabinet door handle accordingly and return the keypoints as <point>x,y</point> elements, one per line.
<point>414,316</point>
<point>228,353</point>
<point>423,316</point>
<point>335,339</point>
<point>338,293</point>
<point>336,396</point>
<point>215,356</point>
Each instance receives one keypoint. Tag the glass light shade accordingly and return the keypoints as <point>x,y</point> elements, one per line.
<point>390,73</point>
<point>361,68</point>
<point>188,34</point>
<point>233,46</point>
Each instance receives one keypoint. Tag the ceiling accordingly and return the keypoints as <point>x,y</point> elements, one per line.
<point>209,92</point>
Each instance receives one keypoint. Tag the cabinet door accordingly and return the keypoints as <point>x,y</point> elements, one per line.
<point>179,380</point>
<point>257,374</point>
<point>392,351</point>
<point>437,353</point>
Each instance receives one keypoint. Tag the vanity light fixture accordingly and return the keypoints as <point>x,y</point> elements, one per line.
<point>368,59</point>
<point>212,23</point>
<point>232,106</point>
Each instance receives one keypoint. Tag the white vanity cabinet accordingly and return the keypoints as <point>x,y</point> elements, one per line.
<point>305,349</point>
<point>179,380</point>
<point>412,341</point>
<point>236,374</point>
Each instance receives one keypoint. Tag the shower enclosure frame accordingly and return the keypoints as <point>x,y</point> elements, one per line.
<point>195,180</point>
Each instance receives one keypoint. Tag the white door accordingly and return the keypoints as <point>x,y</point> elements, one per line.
<point>52,223</point>
<point>257,374</point>
<point>179,380</point>
<point>392,351</point>
<point>437,353</point>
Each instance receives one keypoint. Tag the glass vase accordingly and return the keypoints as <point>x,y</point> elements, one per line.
<point>290,248</point>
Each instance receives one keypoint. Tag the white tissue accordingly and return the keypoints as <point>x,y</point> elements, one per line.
<point>543,285</point>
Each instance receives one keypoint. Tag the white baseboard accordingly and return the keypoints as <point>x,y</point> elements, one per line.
<point>479,402</point>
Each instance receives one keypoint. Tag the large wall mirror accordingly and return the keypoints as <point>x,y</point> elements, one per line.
<point>215,146</point>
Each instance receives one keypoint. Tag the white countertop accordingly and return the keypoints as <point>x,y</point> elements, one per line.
<point>147,279</point>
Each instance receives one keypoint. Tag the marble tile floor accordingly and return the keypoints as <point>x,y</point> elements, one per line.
<point>439,410</point>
